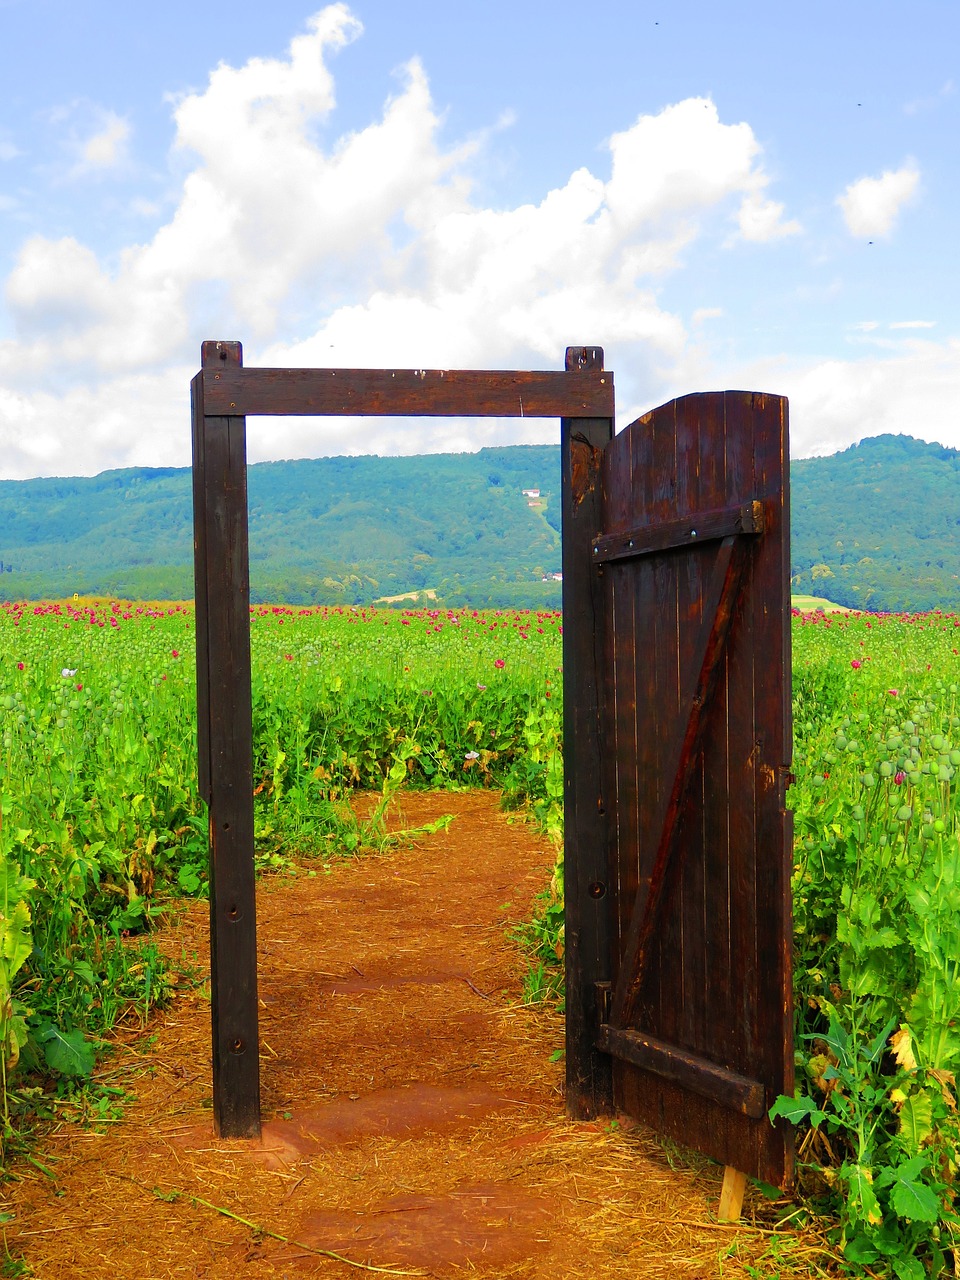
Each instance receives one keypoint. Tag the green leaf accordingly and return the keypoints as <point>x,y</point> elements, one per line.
<point>861,1197</point>
<point>796,1109</point>
<point>860,1250</point>
<point>909,1268</point>
<point>67,1053</point>
<point>880,1042</point>
<point>915,1201</point>
<point>916,1119</point>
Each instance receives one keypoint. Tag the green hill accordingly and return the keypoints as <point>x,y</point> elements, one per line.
<point>332,530</point>
<point>876,526</point>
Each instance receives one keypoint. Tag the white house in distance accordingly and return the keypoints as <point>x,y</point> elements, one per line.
<point>530,493</point>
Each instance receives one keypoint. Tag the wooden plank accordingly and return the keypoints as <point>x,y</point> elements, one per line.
<point>223,578</point>
<point>618,707</point>
<point>774,836</point>
<point>731,1195</point>
<point>202,636</point>
<point>692,568</point>
<point>691,530</point>
<point>584,391</point>
<point>715,829</point>
<point>589,1090</point>
<point>719,601</point>
<point>743,672</point>
<point>730,1089</point>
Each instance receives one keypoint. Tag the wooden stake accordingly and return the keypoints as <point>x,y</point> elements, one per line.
<point>731,1194</point>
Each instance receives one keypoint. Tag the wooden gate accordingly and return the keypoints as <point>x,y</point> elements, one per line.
<point>676,733</point>
<point>677,744</point>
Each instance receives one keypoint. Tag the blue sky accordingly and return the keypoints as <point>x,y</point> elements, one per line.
<point>721,195</point>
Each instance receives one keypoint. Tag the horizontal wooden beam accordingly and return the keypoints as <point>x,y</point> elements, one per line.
<point>707,526</point>
<point>699,1075</point>
<point>408,393</point>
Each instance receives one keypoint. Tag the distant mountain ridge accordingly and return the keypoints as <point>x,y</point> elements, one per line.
<point>323,531</point>
<point>876,526</point>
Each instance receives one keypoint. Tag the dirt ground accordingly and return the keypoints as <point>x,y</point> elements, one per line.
<point>415,1121</point>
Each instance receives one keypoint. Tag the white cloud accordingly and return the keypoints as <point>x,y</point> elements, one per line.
<point>762,220</point>
<point>913,324</point>
<point>365,250</point>
<point>871,206</point>
<point>835,403</point>
<point>107,148</point>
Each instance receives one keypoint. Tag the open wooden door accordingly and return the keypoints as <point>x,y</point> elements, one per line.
<point>679,928</point>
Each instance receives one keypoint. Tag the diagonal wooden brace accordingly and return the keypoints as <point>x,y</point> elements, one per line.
<point>720,598</point>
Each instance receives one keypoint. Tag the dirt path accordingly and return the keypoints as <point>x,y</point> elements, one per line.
<point>415,1119</point>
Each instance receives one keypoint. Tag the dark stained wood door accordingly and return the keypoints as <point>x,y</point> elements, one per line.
<point>691,592</point>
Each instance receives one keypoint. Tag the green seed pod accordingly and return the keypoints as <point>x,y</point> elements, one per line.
<point>927,831</point>
<point>939,826</point>
<point>869,779</point>
<point>857,812</point>
<point>915,775</point>
<point>945,773</point>
<point>840,742</point>
<point>904,813</point>
<point>886,769</point>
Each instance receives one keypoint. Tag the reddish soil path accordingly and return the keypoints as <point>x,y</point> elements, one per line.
<point>415,1120</point>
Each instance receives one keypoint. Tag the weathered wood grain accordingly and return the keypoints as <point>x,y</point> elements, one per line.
<point>583,391</point>
<point>225,736</point>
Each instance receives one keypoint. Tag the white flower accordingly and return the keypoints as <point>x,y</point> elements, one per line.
<point>67,672</point>
<point>472,755</point>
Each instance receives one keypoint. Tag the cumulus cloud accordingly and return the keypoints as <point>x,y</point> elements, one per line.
<point>367,249</point>
<point>871,206</point>
<point>910,389</point>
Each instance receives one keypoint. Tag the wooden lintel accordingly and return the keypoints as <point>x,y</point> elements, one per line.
<point>572,393</point>
<point>728,1088</point>
<point>747,518</point>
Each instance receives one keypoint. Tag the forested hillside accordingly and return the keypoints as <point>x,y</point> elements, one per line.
<point>331,530</point>
<point>875,527</point>
<point>878,526</point>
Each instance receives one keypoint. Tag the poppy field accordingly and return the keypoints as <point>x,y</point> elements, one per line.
<point>102,829</point>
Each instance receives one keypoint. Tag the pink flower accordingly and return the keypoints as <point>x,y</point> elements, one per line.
<point>79,688</point>
<point>20,666</point>
<point>175,653</point>
<point>499,662</point>
<point>899,777</point>
<point>894,693</point>
<point>856,664</point>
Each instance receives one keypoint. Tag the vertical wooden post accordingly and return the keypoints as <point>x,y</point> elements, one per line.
<point>225,743</point>
<point>589,1090</point>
